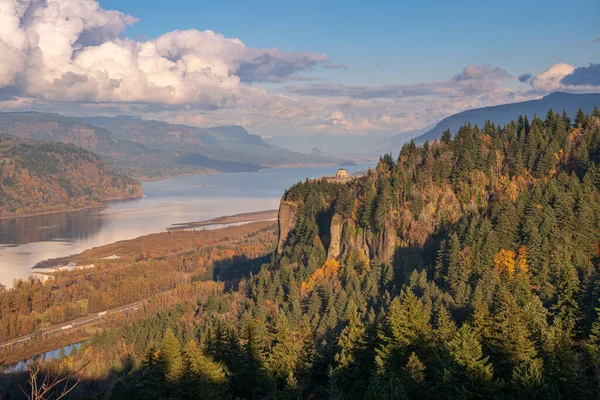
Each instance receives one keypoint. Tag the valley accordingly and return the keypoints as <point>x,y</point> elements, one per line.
<point>150,150</point>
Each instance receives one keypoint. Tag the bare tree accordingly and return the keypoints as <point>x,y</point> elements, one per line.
<point>44,389</point>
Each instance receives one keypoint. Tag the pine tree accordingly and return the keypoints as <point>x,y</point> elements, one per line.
<point>351,338</point>
<point>592,348</point>
<point>580,119</point>
<point>170,357</point>
<point>204,378</point>
<point>467,353</point>
<point>514,350</point>
<point>445,328</point>
<point>415,369</point>
<point>351,370</point>
<point>286,349</point>
<point>408,320</point>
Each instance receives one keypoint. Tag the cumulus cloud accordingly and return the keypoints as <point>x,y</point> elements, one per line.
<point>477,79</point>
<point>567,78</point>
<point>73,50</point>
<point>549,80</point>
<point>526,77</point>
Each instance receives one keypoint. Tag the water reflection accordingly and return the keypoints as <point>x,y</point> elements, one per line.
<point>47,356</point>
<point>62,226</point>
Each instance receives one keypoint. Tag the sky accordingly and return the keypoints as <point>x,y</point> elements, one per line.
<point>293,68</point>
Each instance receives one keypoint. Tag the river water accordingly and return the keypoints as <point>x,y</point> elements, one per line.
<point>24,242</point>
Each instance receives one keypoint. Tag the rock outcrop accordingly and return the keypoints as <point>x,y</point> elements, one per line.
<point>335,244</point>
<point>287,220</point>
<point>344,236</point>
<point>387,245</point>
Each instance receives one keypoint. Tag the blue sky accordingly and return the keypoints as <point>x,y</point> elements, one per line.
<point>294,68</point>
<point>392,41</point>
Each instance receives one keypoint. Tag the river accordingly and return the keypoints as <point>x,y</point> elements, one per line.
<point>24,242</point>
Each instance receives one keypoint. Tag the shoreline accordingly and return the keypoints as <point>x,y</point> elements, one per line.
<point>70,210</point>
<point>52,265</point>
<point>253,216</point>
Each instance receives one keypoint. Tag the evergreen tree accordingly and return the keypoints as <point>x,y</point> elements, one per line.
<point>170,358</point>
<point>471,367</point>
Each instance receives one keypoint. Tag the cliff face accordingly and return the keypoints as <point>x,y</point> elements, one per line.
<point>342,236</point>
<point>335,230</point>
<point>287,220</point>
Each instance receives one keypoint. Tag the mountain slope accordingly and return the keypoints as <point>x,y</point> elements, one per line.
<point>155,149</point>
<point>56,128</point>
<point>222,143</point>
<point>505,113</point>
<point>41,177</point>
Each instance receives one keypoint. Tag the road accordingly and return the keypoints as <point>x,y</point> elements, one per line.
<point>77,323</point>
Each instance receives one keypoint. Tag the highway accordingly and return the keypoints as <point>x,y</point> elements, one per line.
<point>77,323</point>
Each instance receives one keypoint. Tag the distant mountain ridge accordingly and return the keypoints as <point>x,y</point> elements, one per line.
<point>155,149</point>
<point>55,128</point>
<point>222,143</point>
<point>503,114</point>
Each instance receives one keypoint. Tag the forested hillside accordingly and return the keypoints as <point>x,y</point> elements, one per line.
<point>39,177</point>
<point>55,128</point>
<point>465,268</point>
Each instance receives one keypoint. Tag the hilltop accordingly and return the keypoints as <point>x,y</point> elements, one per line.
<point>55,128</point>
<point>505,113</point>
<point>37,177</point>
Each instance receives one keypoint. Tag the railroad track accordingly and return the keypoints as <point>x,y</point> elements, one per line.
<point>67,326</point>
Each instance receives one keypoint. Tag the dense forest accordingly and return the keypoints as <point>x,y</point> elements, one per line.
<point>40,177</point>
<point>463,268</point>
<point>145,267</point>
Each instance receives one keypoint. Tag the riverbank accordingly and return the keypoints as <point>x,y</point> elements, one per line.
<point>68,210</point>
<point>110,251</point>
<point>227,219</point>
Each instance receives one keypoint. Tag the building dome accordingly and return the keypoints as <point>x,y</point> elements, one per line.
<point>342,173</point>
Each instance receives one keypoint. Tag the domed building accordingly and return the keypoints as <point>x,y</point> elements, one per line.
<point>342,174</point>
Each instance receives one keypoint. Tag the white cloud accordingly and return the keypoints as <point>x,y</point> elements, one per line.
<point>549,80</point>
<point>566,78</point>
<point>72,50</point>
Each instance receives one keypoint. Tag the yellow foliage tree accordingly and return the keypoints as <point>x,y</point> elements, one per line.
<point>504,263</point>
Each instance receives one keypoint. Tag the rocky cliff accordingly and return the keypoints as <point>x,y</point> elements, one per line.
<point>286,221</point>
<point>302,224</point>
